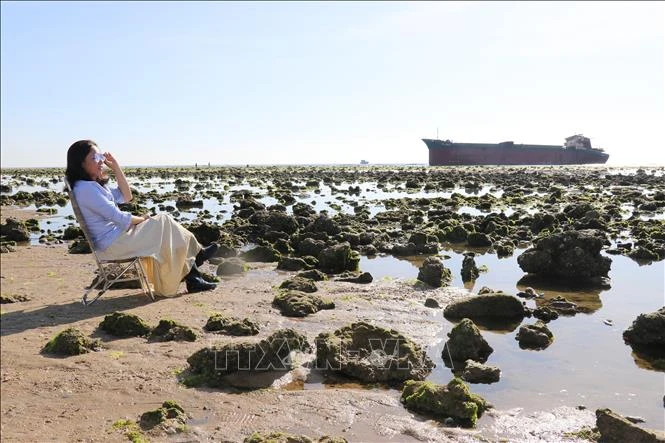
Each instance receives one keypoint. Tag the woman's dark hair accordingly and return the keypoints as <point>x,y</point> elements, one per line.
<point>75,157</point>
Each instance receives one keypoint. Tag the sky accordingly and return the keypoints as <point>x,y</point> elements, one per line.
<point>179,83</point>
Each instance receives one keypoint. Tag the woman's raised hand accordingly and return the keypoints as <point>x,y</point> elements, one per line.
<point>111,162</point>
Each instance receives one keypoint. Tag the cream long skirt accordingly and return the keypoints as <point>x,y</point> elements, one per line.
<point>168,251</point>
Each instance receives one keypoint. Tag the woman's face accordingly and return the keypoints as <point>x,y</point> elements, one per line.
<point>94,163</point>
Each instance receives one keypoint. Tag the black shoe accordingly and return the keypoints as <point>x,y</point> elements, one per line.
<point>206,253</point>
<point>197,284</point>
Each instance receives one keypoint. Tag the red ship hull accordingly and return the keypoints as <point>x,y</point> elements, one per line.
<point>446,153</point>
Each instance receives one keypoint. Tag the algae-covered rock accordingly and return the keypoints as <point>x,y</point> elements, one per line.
<point>647,329</point>
<point>434,273</point>
<point>265,254</point>
<point>371,353</point>
<point>231,325</point>
<point>13,298</point>
<point>14,230</point>
<point>300,304</point>
<point>536,336</point>
<point>71,341</point>
<point>209,365</point>
<point>72,232</point>
<point>206,233</point>
<point>573,255</point>
<point>478,239</point>
<point>169,410</point>
<point>647,337</point>
<point>231,266</point>
<point>362,278</point>
<point>494,306</point>
<point>465,342</point>
<point>283,437</point>
<point>124,325</point>
<point>614,428</point>
<point>312,274</point>
<point>469,270</point>
<point>292,264</point>
<point>453,400</point>
<point>339,258</point>
<point>169,330</point>
<point>299,284</point>
<point>80,246</point>
<point>475,372</point>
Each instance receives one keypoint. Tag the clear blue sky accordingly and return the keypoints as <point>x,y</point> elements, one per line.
<point>287,83</point>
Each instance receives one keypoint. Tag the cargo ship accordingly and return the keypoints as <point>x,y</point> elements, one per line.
<point>576,150</point>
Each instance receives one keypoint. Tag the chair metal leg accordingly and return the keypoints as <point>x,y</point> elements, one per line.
<point>144,281</point>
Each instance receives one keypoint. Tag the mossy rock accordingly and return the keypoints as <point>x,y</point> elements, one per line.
<point>313,274</point>
<point>283,437</point>
<point>495,306</point>
<point>169,330</point>
<point>72,232</point>
<point>13,298</point>
<point>169,410</point>
<point>231,325</point>
<point>434,273</point>
<point>465,342</point>
<point>300,304</point>
<point>71,341</point>
<point>266,254</point>
<point>209,365</point>
<point>299,284</point>
<point>232,266</point>
<point>536,336</point>
<point>453,400</point>
<point>120,324</point>
<point>339,258</point>
<point>292,264</point>
<point>80,246</point>
<point>371,353</point>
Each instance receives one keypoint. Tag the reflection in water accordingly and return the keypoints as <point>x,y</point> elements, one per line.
<point>586,298</point>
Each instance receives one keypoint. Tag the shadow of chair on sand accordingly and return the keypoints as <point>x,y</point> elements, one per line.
<point>64,314</point>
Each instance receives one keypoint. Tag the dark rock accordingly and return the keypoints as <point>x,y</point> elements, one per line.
<point>124,325</point>
<point>231,325</point>
<point>475,372</point>
<point>14,230</point>
<point>292,264</point>
<point>363,278</point>
<point>536,336</point>
<point>71,341</point>
<point>310,246</point>
<point>647,335</point>
<point>339,258</point>
<point>231,266</point>
<point>487,306</point>
<point>9,298</point>
<point>206,233</point>
<point>324,224</point>
<point>572,255</point>
<point>299,284</point>
<point>444,401</point>
<point>614,428</point>
<point>469,270</point>
<point>169,330</point>
<point>478,239</point>
<point>434,273</point>
<point>300,304</point>
<point>209,365</point>
<point>371,354</point>
<point>313,274</point>
<point>80,246</point>
<point>504,249</point>
<point>72,232</point>
<point>431,303</point>
<point>266,254</point>
<point>545,314</point>
<point>465,342</point>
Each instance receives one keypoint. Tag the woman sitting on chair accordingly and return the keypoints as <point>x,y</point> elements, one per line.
<point>171,251</point>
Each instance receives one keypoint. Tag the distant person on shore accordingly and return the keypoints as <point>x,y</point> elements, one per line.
<point>171,252</point>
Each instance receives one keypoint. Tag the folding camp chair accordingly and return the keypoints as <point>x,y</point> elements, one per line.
<point>109,271</point>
